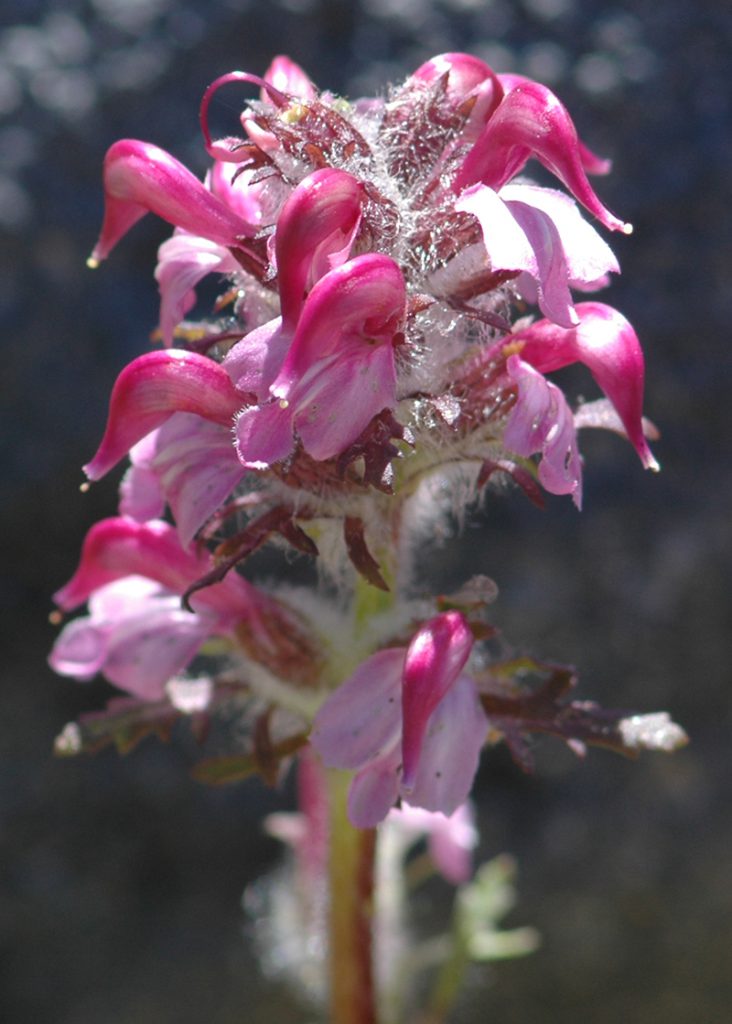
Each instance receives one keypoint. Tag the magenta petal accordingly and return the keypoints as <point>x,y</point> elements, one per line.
<point>141,178</point>
<point>468,77</point>
<point>607,344</point>
<point>119,547</point>
<point>314,234</point>
<point>153,387</point>
<point>591,162</point>
<point>435,658</point>
<point>361,720</point>
<point>288,77</point>
<point>451,750</point>
<point>463,70</point>
<point>530,121</point>
<point>361,303</point>
<point>373,791</point>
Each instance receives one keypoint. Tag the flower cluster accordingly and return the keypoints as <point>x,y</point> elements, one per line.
<point>378,260</point>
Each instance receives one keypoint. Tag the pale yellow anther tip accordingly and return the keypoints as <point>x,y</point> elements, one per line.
<point>92,262</point>
<point>84,487</point>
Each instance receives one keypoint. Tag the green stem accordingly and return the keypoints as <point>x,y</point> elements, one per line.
<point>352,988</point>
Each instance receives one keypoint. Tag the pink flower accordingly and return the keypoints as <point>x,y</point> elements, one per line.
<point>339,371</point>
<point>141,178</point>
<point>119,547</point>
<point>531,122</point>
<point>185,259</point>
<point>315,232</point>
<point>136,634</point>
<point>409,723</point>
<point>264,627</point>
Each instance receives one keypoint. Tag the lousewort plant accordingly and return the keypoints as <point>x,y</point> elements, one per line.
<point>393,294</point>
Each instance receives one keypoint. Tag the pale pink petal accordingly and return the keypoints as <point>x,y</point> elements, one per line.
<point>373,790</point>
<point>588,257</point>
<point>505,241</point>
<point>552,274</point>
<point>183,261</point>
<point>150,389</point>
<point>435,657</point>
<point>79,650</point>
<point>451,841</point>
<point>450,838</point>
<point>136,634</point>
<point>140,494</point>
<point>343,400</point>
<point>197,467</point>
<point>542,422</point>
<point>451,750</point>
<point>361,720</point>
<point>263,434</point>
<point>147,649</point>
<point>254,362</point>
<point>540,232</point>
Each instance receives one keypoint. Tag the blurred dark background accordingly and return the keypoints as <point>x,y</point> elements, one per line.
<point>121,879</point>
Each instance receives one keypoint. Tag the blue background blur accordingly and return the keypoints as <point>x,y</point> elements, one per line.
<point>120,878</point>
